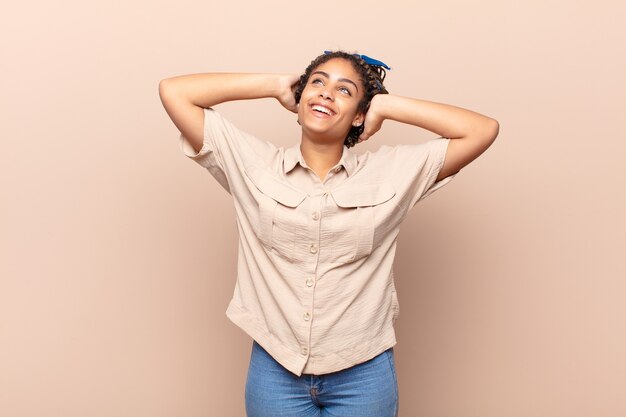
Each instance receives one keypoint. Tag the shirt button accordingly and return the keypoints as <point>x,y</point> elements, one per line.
<point>337,169</point>
<point>315,215</point>
<point>313,248</point>
<point>304,351</point>
<point>306,316</point>
<point>309,282</point>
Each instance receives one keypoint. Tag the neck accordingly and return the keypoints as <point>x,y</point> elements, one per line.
<point>321,157</point>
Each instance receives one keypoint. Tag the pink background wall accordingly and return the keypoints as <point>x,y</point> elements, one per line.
<point>117,254</point>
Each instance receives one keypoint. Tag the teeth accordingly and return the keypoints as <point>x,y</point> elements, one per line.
<point>322,109</point>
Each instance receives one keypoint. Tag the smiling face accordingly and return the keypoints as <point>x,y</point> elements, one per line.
<point>328,106</point>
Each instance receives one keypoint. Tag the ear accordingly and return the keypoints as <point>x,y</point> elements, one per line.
<point>358,119</point>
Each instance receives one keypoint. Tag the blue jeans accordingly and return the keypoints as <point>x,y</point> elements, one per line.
<point>369,389</point>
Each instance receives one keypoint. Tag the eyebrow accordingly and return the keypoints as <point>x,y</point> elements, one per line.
<point>346,80</point>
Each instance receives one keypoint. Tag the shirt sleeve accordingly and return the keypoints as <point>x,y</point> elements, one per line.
<point>226,150</point>
<point>415,169</point>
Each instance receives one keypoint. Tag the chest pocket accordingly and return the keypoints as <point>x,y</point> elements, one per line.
<point>351,230</point>
<point>279,223</point>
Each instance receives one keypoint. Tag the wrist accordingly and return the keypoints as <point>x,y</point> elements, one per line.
<point>278,85</point>
<point>378,105</point>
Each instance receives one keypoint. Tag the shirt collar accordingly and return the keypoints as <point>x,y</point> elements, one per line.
<point>293,156</point>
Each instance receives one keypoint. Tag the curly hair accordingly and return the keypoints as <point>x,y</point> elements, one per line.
<point>372,78</point>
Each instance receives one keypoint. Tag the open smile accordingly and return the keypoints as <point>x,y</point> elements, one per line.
<point>321,110</point>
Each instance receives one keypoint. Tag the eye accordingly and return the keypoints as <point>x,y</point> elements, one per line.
<point>317,81</point>
<point>345,90</point>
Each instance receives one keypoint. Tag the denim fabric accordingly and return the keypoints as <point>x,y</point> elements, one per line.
<point>369,389</point>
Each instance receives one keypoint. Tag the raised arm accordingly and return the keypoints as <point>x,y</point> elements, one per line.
<point>184,97</point>
<point>471,133</point>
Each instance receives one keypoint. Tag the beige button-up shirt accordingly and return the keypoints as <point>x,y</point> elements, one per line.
<point>315,264</point>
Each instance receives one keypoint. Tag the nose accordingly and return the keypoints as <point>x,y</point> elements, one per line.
<point>326,95</point>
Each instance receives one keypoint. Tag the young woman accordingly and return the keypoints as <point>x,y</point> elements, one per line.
<point>318,224</point>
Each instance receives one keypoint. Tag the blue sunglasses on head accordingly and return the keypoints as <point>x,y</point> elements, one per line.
<point>368,60</point>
